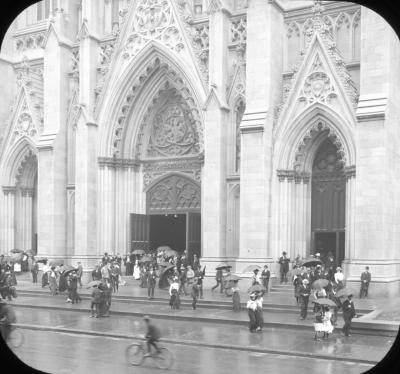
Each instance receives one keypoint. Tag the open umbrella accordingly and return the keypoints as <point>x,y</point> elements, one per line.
<point>324,301</point>
<point>163,248</point>
<point>16,257</point>
<point>57,262</point>
<point>311,262</point>
<point>42,260</point>
<point>16,250</point>
<point>170,252</point>
<point>30,252</point>
<point>138,252</point>
<point>163,282</point>
<point>344,292</point>
<point>93,284</point>
<point>68,270</point>
<point>256,288</point>
<point>223,266</point>
<point>232,277</point>
<point>251,268</point>
<point>146,259</point>
<point>164,264</point>
<point>320,283</point>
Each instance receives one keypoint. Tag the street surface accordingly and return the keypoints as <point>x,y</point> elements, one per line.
<point>72,354</point>
<point>71,346</point>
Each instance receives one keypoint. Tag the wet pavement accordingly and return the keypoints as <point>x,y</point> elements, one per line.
<point>271,340</point>
<point>67,354</point>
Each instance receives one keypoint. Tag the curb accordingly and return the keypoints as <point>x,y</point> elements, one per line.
<point>199,344</point>
<point>362,329</point>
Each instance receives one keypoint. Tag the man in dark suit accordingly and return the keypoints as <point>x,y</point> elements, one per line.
<point>304,293</point>
<point>365,279</point>
<point>151,283</point>
<point>265,275</point>
<point>349,313</point>
<point>284,266</point>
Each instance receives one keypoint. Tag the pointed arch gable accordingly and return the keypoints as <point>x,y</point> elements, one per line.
<point>19,165</point>
<point>132,85</point>
<point>317,118</point>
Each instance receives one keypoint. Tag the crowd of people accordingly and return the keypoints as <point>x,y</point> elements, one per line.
<point>182,276</point>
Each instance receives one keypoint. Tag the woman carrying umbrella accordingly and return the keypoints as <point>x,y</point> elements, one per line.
<point>326,320</point>
<point>251,309</point>
<point>339,278</point>
<point>53,281</point>
<point>236,296</point>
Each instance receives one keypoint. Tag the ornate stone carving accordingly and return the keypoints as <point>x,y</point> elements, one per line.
<point>153,20</point>
<point>114,162</point>
<point>317,88</point>
<point>328,162</point>
<point>201,46</point>
<point>317,127</point>
<point>172,132</point>
<point>75,63</point>
<point>174,193</point>
<point>239,30</point>
<point>9,190</point>
<point>105,56</point>
<point>29,158</point>
<point>323,26</point>
<point>29,42</point>
<point>24,127</point>
<point>192,121</point>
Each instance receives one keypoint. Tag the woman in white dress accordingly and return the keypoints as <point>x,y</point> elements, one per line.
<point>136,270</point>
<point>339,278</point>
<point>326,321</point>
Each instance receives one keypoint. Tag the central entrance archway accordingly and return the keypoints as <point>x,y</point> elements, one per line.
<point>172,216</point>
<point>328,202</point>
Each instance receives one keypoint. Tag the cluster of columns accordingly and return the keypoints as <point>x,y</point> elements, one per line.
<point>120,192</point>
<point>292,213</point>
<point>7,215</point>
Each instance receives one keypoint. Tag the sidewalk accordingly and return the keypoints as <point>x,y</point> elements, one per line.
<point>294,342</point>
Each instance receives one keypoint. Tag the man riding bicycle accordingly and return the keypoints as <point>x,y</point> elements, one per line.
<point>7,318</point>
<point>152,336</point>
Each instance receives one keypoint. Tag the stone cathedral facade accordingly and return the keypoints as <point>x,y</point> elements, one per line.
<point>234,129</point>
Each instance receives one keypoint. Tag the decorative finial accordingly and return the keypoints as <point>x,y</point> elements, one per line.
<point>317,8</point>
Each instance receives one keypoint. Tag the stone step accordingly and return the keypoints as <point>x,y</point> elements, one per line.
<point>208,304</point>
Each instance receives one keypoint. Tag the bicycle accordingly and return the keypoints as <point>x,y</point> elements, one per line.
<point>15,337</point>
<point>135,355</point>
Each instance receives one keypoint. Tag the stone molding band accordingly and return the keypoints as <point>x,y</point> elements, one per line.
<point>291,175</point>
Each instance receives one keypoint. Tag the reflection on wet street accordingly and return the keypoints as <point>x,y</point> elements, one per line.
<point>79,354</point>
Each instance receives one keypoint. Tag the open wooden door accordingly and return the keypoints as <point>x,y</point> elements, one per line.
<point>140,230</point>
<point>193,235</point>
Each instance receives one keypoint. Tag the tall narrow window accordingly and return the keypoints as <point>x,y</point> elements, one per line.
<point>356,37</point>
<point>343,36</point>
<point>39,8</point>
<point>115,15</point>
<point>240,107</point>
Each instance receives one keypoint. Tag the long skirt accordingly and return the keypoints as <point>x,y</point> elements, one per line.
<point>53,285</point>
<point>259,318</point>
<point>45,279</point>
<point>236,301</point>
<point>252,320</point>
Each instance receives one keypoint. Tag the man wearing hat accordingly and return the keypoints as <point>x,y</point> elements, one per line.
<point>265,275</point>
<point>284,266</point>
<point>304,293</point>
<point>365,279</point>
<point>349,312</point>
<point>151,283</point>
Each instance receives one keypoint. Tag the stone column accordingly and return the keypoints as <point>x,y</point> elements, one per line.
<point>52,167</point>
<point>26,218</point>
<point>216,118</point>
<point>8,218</point>
<point>377,191</point>
<point>263,84</point>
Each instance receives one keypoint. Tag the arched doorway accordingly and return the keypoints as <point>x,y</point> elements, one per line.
<point>328,202</point>
<point>172,216</point>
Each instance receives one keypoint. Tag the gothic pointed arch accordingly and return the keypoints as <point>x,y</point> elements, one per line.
<point>127,99</point>
<point>295,150</point>
<point>20,165</point>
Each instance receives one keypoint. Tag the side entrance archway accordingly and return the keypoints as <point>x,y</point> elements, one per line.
<point>172,218</point>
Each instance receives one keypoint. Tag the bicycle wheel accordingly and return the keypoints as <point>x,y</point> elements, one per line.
<point>134,354</point>
<point>164,359</point>
<point>16,338</point>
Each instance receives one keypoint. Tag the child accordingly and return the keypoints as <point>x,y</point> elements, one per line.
<point>318,324</point>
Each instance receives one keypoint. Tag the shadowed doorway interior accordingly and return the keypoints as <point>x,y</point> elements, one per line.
<point>168,229</point>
